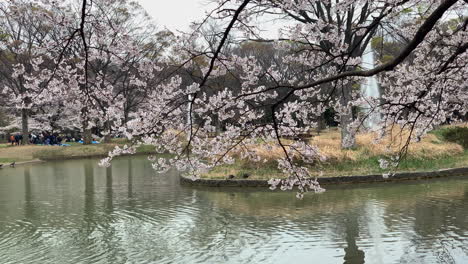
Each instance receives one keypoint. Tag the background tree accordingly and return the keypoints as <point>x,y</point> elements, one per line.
<point>23,33</point>
<point>80,56</point>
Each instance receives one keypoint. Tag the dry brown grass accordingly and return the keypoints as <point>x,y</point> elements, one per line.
<point>430,150</point>
<point>329,145</point>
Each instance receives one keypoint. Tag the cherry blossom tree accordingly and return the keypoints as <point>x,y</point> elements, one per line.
<point>92,55</point>
<point>23,34</point>
<point>119,48</point>
<point>322,40</point>
<point>326,39</point>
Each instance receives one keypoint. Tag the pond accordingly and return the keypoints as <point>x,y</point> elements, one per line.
<point>75,212</point>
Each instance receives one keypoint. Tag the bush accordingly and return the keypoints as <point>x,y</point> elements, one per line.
<point>457,135</point>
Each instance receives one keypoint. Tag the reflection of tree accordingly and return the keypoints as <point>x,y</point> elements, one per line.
<point>109,191</point>
<point>130,180</point>
<point>89,196</point>
<point>353,255</point>
<point>29,208</point>
<point>433,210</point>
<point>437,216</point>
<point>109,232</point>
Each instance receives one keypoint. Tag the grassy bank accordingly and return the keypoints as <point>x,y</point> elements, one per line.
<point>26,153</point>
<point>446,147</point>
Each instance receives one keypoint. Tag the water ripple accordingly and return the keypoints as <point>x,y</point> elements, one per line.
<point>78,213</point>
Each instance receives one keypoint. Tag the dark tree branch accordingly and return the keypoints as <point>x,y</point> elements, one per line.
<point>418,38</point>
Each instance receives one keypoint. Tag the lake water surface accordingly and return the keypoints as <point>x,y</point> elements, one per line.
<point>75,212</point>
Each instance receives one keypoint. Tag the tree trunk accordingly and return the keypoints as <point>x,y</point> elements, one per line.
<point>348,136</point>
<point>24,126</point>
<point>87,136</point>
<point>107,127</point>
<point>218,125</point>
<point>321,124</point>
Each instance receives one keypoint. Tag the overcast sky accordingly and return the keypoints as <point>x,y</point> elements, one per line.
<point>175,14</point>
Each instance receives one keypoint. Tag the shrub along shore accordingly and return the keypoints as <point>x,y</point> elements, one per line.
<point>443,148</point>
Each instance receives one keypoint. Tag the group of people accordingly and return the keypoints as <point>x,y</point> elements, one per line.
<point>43,138</point>
<point>46,139</point>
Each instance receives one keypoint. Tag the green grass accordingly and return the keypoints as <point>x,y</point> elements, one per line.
<point>9,153</point>
<point>457,135</point>
<point>254,170</point>
<point>6,160</point>
<point>145,149</point>
<point>74,151</point>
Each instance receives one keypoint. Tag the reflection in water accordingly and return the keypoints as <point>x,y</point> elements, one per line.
<point>352,253</point>
<point>109,204</point>
<point>89,196</point>
<point>128,214</point>
<point>130,180</point>
<point>29,208</point>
